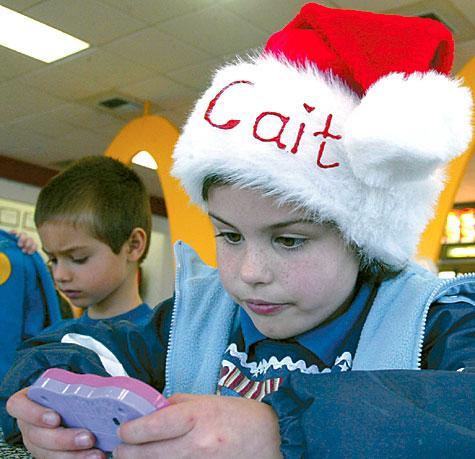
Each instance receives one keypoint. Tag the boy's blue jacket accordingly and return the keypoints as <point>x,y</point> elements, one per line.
<point>28,300</point>
<point>385,407</point>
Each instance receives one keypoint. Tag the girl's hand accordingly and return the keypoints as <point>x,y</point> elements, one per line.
<point>42,434</point>
<point>208,426</point>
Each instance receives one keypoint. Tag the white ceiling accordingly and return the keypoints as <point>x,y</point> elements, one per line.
<point>163,51</point>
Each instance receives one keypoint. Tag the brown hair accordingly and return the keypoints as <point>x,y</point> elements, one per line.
<point>101,194</point>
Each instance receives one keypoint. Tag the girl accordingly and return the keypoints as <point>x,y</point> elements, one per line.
<point>318,163</point>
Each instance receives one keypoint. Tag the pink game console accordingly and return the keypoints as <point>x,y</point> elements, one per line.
<point>98,404</point>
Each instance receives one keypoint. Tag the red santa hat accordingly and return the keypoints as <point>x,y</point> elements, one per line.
<point>349,115</point>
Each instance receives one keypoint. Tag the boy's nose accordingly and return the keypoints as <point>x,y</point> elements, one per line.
<point>255,268</point>
<point>61,273</point>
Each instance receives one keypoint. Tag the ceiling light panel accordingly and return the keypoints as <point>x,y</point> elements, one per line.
<point>35,39</point>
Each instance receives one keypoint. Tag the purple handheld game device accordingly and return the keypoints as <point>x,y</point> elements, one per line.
<point>98,404</point>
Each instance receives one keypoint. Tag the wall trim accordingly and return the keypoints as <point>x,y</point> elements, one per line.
<point>32,174</point>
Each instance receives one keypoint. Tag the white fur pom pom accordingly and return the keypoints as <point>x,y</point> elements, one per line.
<point>407,126</point>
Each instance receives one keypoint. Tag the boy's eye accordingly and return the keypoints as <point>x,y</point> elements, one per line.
<point>230,237</point>
<point>80,261</point>
<point>52,261</point>
<point>289,242</point>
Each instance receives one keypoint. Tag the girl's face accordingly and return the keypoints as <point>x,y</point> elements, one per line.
<point>289,274</point>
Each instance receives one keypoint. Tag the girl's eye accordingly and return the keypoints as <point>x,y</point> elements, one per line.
<point>289,242</point>
<point>52,261</point>
<point>230,237</point>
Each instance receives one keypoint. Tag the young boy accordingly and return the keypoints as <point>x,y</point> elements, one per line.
<point>94,222</point>
<point>318,166</point>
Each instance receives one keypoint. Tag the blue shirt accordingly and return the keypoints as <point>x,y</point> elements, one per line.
<point>329,338</point>
<point>139,315</point>
<point>253,365</point>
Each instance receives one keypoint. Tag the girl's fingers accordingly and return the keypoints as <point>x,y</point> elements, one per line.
<point>170,422</point>
<point>22,408</point>
<point>58,439</point>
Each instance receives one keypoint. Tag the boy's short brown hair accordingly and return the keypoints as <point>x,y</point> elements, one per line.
<point>101,194</point>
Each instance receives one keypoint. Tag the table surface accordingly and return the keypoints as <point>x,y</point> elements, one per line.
<point>12,452</point>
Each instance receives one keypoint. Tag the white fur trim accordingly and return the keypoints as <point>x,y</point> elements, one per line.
<point>407,126</point>
<point>384,222</point>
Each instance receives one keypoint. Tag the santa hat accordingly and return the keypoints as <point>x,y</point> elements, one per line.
<point>347,114</point>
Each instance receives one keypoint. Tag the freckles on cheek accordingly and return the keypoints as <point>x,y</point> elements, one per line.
<point>225,270</point>
<point>309,281</point>
<point>298,285</point>
<point>220,261</point>
<point>301,275</point>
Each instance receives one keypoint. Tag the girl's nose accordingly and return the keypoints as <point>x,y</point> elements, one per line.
<point>255,267</point>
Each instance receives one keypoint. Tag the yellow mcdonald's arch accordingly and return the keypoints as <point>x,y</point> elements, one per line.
<point>429,245</point>
<point>158,136</point>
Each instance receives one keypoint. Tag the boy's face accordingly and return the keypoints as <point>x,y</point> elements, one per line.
<point>85,269</point>
<point>289,274</point>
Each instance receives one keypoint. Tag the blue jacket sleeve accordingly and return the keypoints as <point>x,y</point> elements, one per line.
<point>449,343</point>
<point>377,414</point>
<point>398,413</point>
<point>141,349</point>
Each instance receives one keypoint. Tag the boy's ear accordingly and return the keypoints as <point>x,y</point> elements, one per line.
<point>136,244</point>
